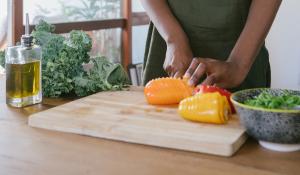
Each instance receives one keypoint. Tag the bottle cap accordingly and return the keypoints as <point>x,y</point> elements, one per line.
<point>27,39</point>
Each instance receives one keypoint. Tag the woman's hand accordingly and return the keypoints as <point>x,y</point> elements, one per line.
<point>224,74</point>
<point>177,60</point>
<point>179,54</point>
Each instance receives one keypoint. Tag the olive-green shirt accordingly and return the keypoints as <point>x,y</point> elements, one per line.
<point>212,27</point>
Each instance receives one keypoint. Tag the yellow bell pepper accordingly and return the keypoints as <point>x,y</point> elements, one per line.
<point>208,108</point>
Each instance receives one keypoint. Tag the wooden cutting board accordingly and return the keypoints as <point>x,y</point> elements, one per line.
<point>125,116</point>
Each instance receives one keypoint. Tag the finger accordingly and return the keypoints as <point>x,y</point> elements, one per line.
<point>192,68</point>
<point>172,73</point>
<point>210,80</point>
<point>168,69</point>
<point>179,74</point>
<point>199,72</point>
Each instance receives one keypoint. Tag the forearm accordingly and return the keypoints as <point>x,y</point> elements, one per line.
<point>165,22</point>
<point>260,19</point>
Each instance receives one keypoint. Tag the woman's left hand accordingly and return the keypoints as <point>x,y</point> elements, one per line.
<point>224,74</point>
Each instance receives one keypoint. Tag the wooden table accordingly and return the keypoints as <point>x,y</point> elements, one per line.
<point>25,150</point>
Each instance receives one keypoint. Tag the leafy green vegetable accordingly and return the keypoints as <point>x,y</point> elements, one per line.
<point>51,44</point>
<point>103,76</point>
<point>63,60</point>
<point>267,100</point>
<point>2,58</point>
<point>45,27</point>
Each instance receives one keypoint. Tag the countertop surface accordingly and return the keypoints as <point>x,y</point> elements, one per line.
<point>26,150</point>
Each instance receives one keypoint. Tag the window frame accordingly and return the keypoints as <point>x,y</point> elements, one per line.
<point>128,20</point>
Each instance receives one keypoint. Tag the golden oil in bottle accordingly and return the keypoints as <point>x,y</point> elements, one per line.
<point>23,72</point>
<point>23,76</point>
<point>23,80</point>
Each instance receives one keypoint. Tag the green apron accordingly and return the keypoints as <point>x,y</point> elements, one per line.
<point>213,27</point>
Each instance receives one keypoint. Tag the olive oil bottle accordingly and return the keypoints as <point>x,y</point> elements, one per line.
<point>23,72</point>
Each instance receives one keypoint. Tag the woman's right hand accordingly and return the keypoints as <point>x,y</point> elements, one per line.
<point>179,54</point>
<point>178,59</point>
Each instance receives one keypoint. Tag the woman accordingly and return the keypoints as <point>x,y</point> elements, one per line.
<point>214,42</point>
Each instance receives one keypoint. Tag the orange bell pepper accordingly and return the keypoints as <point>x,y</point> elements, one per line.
<point>167,91</point>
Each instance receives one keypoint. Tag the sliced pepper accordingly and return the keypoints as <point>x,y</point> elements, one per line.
<point>209,89</point>
<point>208,108</point>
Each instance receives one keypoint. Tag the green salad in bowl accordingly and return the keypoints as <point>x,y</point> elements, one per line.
<point>271,116</point>
<point>265,99</point>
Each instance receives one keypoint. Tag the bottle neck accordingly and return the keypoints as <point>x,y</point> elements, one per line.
<point>27,41</point>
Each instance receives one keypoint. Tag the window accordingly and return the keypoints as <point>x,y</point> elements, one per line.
<point>112,24</point>
<point>105,42</point>
<point>139,35</point>
<point>60,11</point>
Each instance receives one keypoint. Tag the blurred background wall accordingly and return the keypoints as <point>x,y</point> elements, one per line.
<point>283,43</point>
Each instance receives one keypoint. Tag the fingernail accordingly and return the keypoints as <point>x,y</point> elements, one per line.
<point>187,75</point>
<point>191,83</point>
